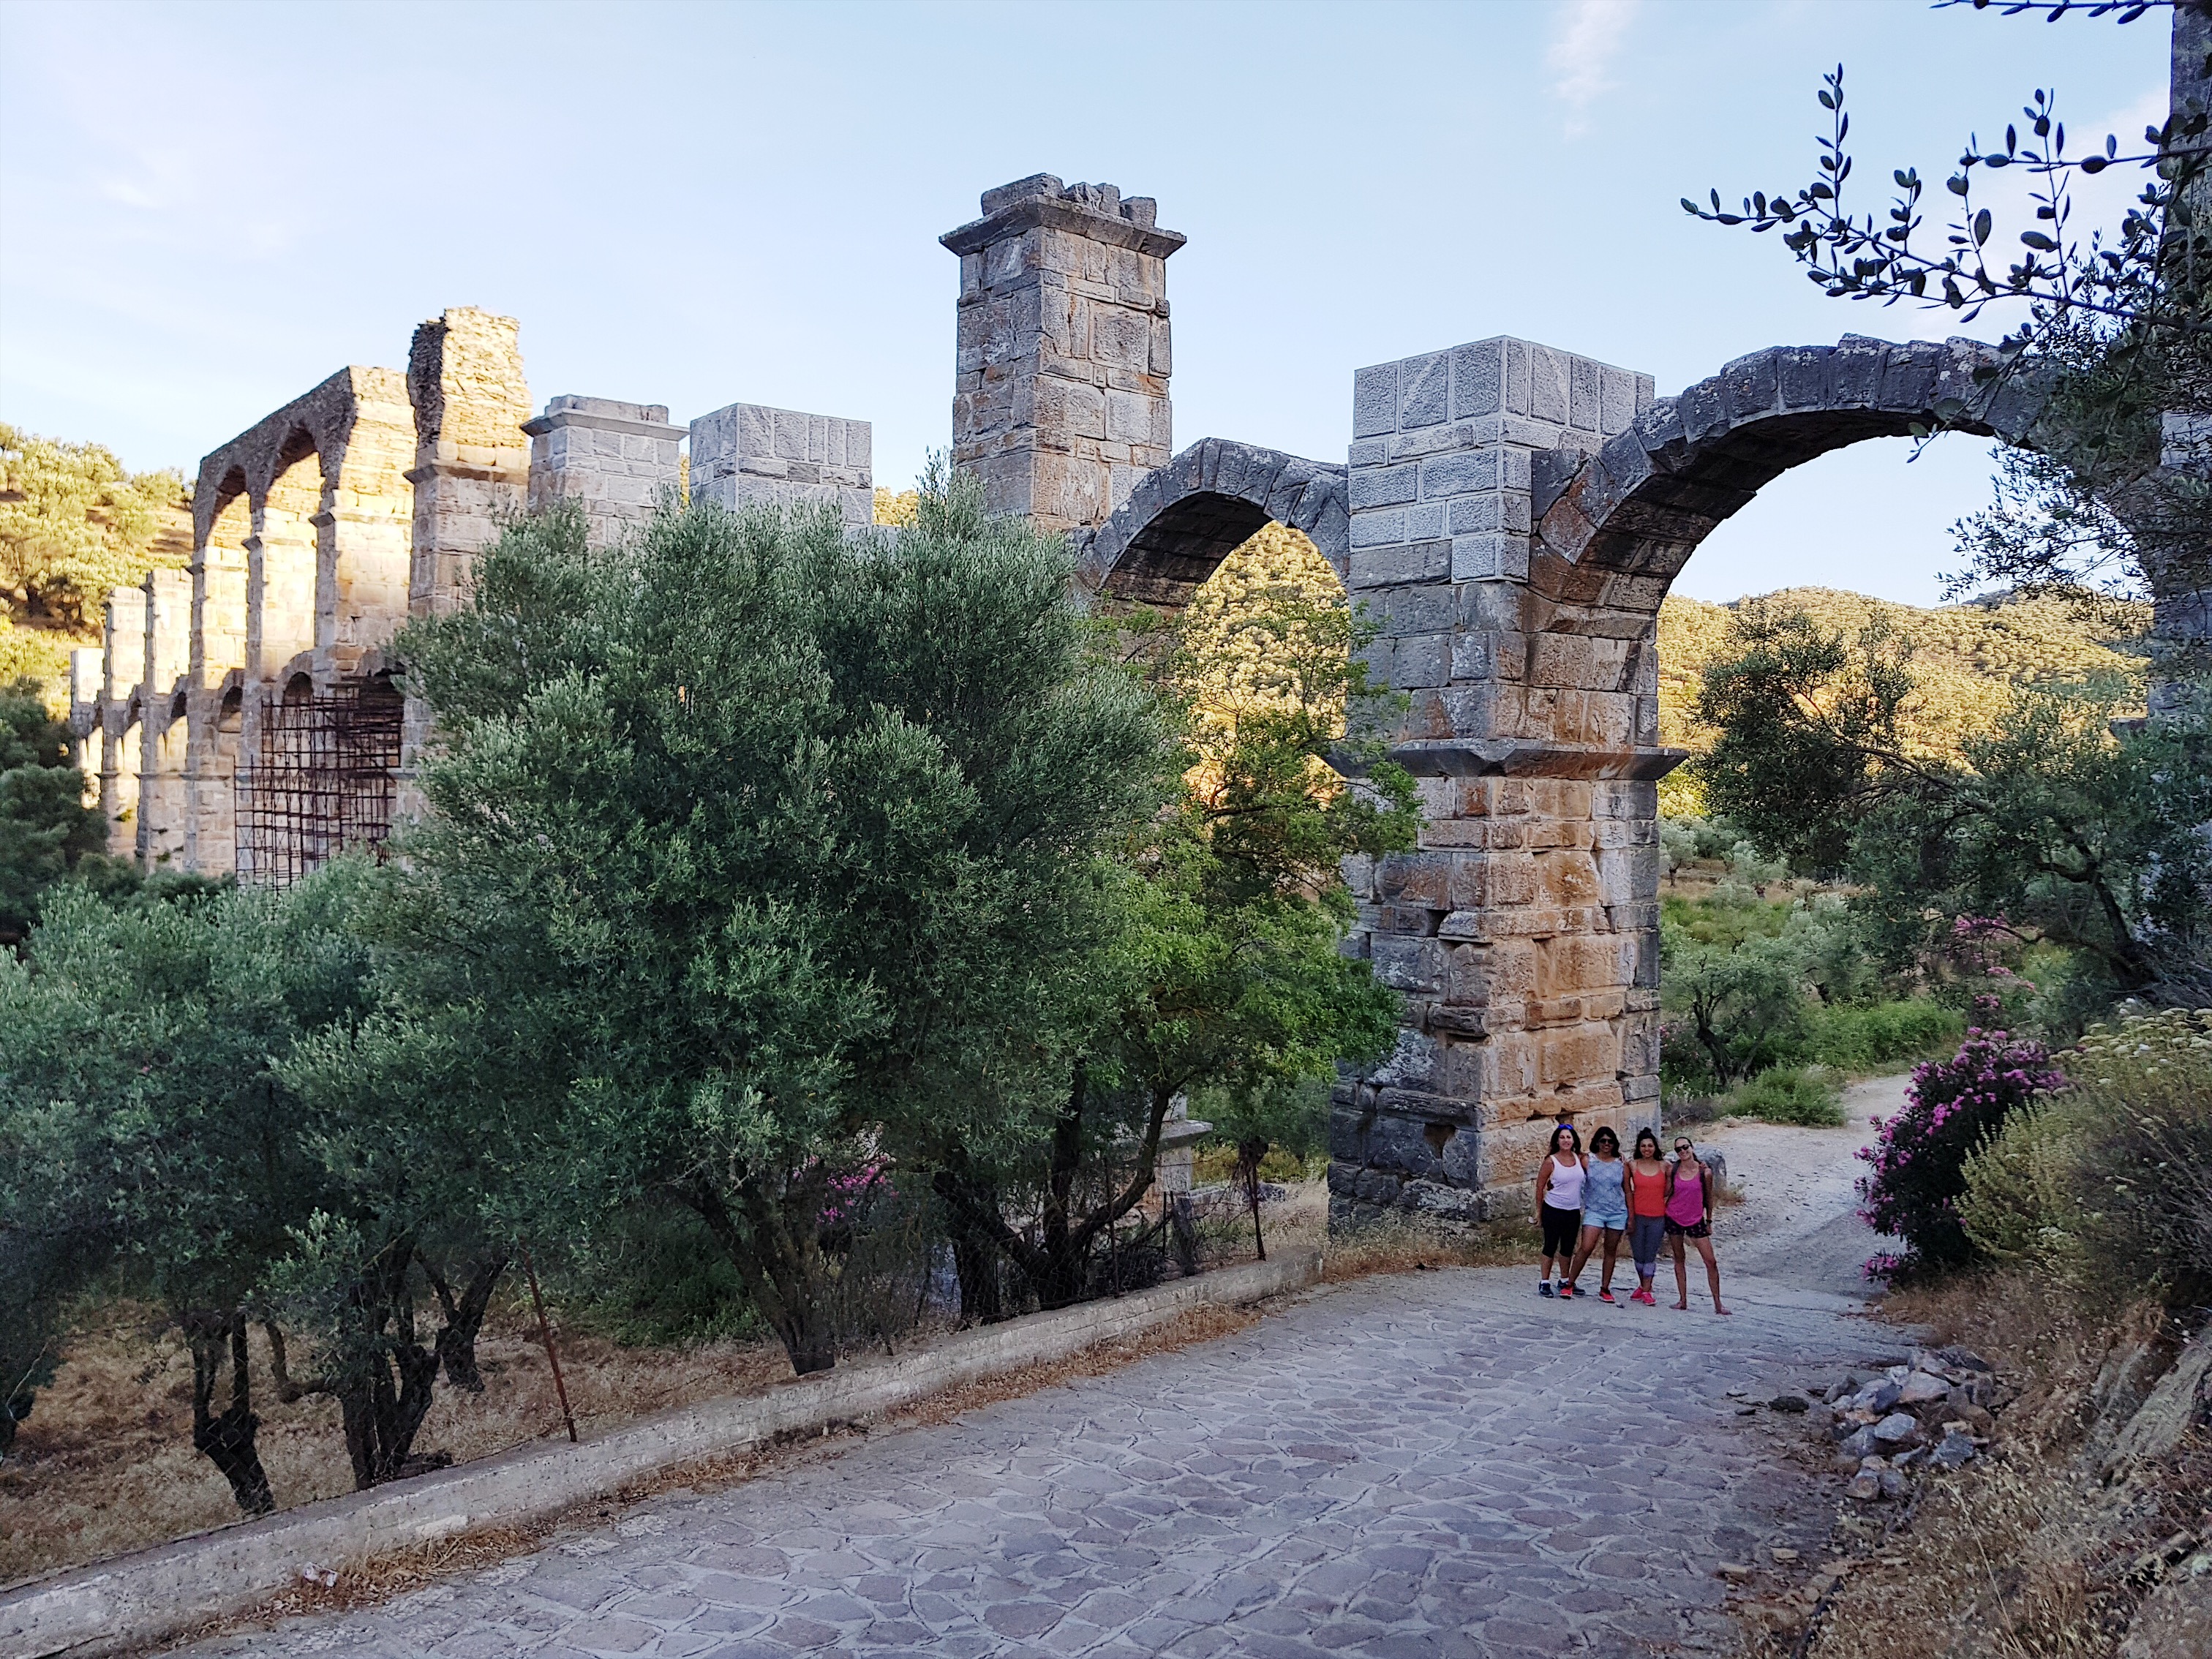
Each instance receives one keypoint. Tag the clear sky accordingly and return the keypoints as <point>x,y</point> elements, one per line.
<point>206,209</point>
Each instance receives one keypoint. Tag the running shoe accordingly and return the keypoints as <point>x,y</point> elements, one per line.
<point>1543,1287</point>
<point>1607,1295</point>
<point>1567,1292</point>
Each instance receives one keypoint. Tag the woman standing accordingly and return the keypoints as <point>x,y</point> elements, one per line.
<point>1647,1206</point>
<point>1605,1209</point>
<point>1559,1204</point>
<point>1690,1217</point>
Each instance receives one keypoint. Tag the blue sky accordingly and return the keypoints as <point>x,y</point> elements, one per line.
<point>206,209</point>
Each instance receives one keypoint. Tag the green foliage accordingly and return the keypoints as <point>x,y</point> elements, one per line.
<point>758,852</point>
<point>74,523</point>
<point>652,1276</point>
<point>1867,1037</point>
<point>143,1119</point>
<point>1789,1094</point>
<point>2111,1181</point>
<point>45,827</point>
<point>2049,822</point>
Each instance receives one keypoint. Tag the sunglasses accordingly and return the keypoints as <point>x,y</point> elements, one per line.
<point>1681,1145</point>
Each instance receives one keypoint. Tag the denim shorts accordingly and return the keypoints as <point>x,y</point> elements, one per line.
<point>1617,1219</point>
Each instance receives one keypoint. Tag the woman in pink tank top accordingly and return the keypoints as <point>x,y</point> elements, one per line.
<point>1690,1221</point>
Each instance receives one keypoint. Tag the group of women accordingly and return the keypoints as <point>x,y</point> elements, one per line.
<point>1584,1201</point>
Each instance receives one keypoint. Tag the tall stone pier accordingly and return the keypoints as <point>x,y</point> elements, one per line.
<point>1522,933</point>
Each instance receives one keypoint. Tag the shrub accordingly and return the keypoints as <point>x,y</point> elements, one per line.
<point>1790,1094</point>
<point>2022,1201</point>
<point>1860,1039</point>
<point>2115,1175</point>
<point>1919,1155</point>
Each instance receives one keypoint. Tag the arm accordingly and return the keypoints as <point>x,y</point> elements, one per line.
<point>1705,1182</point>
<point>1543,1186</point>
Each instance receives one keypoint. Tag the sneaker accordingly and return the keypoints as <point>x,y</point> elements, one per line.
<point>1543,1287</point>
<point>1607,1295</point>
<point>1568,1290</point>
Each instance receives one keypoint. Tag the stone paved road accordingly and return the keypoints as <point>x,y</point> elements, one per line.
<point>1438,1463</point>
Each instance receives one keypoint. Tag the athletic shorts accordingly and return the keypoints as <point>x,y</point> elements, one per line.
<point>1615,1220</point>
<point>1643,1240</point>
<point>1562,1229</point>
<point>1695,1230</point>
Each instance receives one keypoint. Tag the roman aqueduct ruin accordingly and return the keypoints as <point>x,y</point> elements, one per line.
<point>1510,514</point>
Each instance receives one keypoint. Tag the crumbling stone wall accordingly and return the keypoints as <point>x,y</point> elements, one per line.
<point>1061,403</point>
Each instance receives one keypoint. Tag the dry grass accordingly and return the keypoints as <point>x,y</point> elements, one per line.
<point>104,1463</point>
<point>2024,1554</point>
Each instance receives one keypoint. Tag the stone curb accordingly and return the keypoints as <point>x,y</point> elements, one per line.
<point>135,1599</point>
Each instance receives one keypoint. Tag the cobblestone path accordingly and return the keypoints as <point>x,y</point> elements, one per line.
<point>1437,1464</point>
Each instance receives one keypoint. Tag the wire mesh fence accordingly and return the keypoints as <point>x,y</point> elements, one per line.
<point>323,778</point>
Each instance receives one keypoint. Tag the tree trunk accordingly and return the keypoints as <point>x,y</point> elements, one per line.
<point>1250,1155</point>
<point>773,1241</point>
<point>226,1439</point>
<point>465,1317</point>
<point>384,1385</point>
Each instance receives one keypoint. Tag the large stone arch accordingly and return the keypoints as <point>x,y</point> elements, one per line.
<point>1519,515</point>
<point>1183,518</point>
<point>1614,524</point>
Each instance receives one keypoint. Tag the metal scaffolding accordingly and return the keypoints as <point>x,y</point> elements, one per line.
<point>322,779</point>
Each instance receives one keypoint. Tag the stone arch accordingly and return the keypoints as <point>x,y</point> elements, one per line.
<point>1618,527</point>
<point>1183,518</point>
<point>1525,542</point>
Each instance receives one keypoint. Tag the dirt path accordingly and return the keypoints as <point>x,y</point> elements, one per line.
<point>1798,1223</point>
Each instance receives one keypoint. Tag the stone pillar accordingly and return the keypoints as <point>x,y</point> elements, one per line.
<point>87,671</point>
<point>615,460</point>
<point>1061,400</point>
<point>220,575</point>
<point>162,722</point>
<point>364,528</point>
<point>122,660</point>
<point>1523,933</point>
<point>748,455</point>
<point>471,459</point>
<point>471,471</point>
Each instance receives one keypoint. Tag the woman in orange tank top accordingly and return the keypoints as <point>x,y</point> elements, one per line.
<point>1647,1213</point>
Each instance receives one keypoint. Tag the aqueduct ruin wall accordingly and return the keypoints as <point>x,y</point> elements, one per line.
<point>1510,514</point>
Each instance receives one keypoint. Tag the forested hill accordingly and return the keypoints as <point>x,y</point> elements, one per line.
<point>1968,659</point>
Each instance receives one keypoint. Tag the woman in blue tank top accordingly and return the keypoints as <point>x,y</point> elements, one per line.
<point>1605,1208</point>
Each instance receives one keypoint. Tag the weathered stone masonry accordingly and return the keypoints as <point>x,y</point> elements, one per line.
<point>241,716</point>
<point>1510,514</point>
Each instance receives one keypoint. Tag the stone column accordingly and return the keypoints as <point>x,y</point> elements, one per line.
<point>614,460</point>
<point>748,455</point>
<point>161,723</point>
<point>471,471</point>
<point>1061,400</point>
<point>122,660</point>
<point>1522,933</point>
<point>220,576</point>
<point>363,531</point>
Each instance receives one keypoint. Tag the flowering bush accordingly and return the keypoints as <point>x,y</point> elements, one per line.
<point>1919,1156</point>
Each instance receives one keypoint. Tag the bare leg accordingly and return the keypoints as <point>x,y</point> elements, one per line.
<point>1583,1247</point>
<point>1681,1273</point>
<point>1612,1255</point>
<point>1712,1274</point>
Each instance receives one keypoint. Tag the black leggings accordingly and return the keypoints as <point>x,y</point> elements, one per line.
<point>1562,1229</point>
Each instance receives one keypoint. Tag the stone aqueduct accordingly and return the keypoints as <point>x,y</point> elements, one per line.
<point>1510,515</point>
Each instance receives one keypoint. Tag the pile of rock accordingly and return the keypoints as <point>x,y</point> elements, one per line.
<point>1931,1412</point>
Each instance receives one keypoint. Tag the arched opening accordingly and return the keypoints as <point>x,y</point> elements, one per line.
<point>280,614</point>
<point>230,714</point>
<point>299,689</point>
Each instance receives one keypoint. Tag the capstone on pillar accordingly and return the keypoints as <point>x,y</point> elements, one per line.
<point>614,460</point>
<point>1061,400</point>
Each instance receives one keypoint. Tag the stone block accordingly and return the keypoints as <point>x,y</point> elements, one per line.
<point>1478,378</point>
<point>1459,473</point>
<point>1375,400</point>
<point>1423,390</point>
<point>1414,562</point>
<point>1383,486</point>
